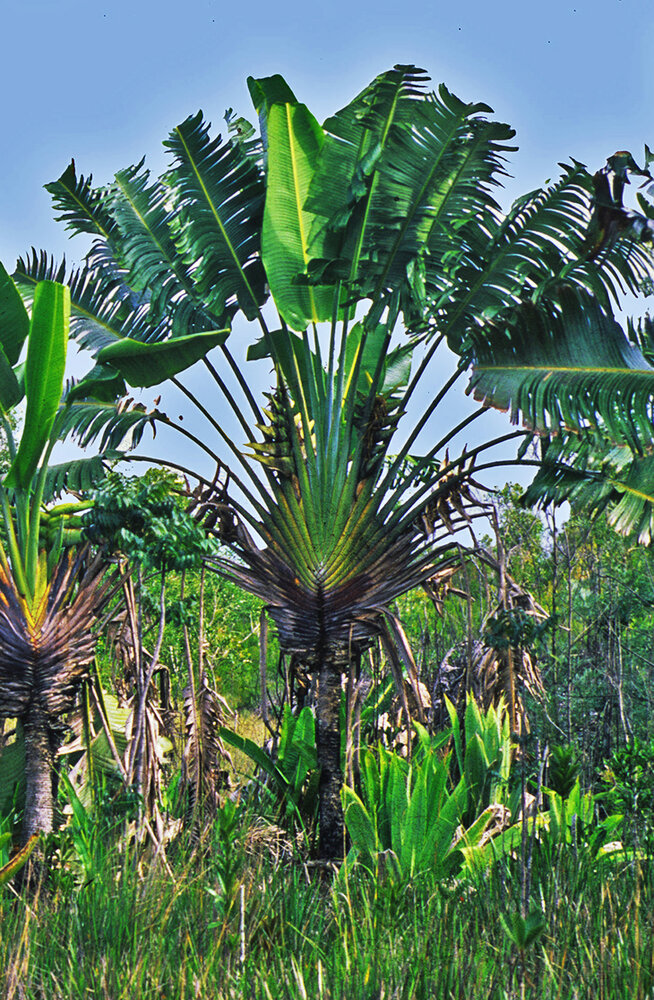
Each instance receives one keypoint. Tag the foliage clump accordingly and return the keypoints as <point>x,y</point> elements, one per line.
<point>144,519</point>
<point>630,775</point>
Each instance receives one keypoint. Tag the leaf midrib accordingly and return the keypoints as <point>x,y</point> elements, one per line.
<point>216,216</point>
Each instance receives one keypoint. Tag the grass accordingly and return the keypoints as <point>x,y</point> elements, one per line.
<point>235,923</point>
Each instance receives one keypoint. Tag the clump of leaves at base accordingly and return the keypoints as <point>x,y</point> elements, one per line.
<point>564,769</point>
<point>630,776</point>
<point>144,519</point>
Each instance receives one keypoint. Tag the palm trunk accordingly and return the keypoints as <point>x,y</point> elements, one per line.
<point>39,806</point>
<point>328,740</point>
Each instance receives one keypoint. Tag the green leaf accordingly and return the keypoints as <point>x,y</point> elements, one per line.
<point>11,392</point>
<point>296,755</point>
<point>256,754</point>
<point>449,816</point>
<point>374,347</point>
<point>415,822</point>
<point>78,476</point>
<point>103,383</point>
<point>149,364</point>
<point>566,365</point>
<point>371,781</point>
<point>523,931</point>
<point>359,823</point>
<point>219,192</point>
<point>145,216</point>
<point>83,208</point>
<point>475,831</point>
<point>269,90</point>
<point>397,801</point>
<point>14,320</point>
<point>103,309</point>
<point>44,377</point>
<point>456,733</point>
<point>594,476</point>
<point>435,175</point>
<point>265,92</point>
<point>293,358</point>
<point>343,191</point>
<point>294,142</point>
<point>116,424</point>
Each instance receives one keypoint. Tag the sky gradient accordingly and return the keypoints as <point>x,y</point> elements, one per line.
<point>104,81</point>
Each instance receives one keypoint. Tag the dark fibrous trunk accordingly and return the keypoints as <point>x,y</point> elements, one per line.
<point>328,733</point>
<point>39,808</point>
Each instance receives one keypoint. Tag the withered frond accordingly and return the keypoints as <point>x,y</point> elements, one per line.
<point>206,762</point>
<point>452,499</point>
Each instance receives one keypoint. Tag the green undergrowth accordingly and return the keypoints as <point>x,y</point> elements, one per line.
<point>243,916</point>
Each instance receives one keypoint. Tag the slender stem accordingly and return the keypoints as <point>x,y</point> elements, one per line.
<point>316,345</point>
<point>11,444</point>
<point>424,462</point>
<point>205,448</point>
<point>239,508</point>
<point>4,562</point>
<point>240,378</point>
<point>507,462</point>
<point>9,434</point>
<point>340,378</point>
<point>404,451</point>
<point>201,632</point>
<point>237,452</point>
<point>20,501</point>
<point>139,727</point>
<point>14,551</point>
<point>330,363</point>
<point>415,381</point>
<point>222,385</point>
<point>398,512</point>
<point>35,517</point>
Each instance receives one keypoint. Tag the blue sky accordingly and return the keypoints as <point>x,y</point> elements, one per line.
<point>104,81</point>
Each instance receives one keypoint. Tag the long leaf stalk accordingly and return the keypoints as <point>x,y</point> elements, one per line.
<point>420,425</point>
<point>229,396</point>
<point>236,451</point>
<point>393,496</point>
<point>190,436</point>
<point>240,378</point>
<point>330,360</point>
<point>32,554</point>
<point>209,416</point>
<point>14,548</point>
<point>20,501</point>
<point>445,485</point>
<point>243,511</point>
